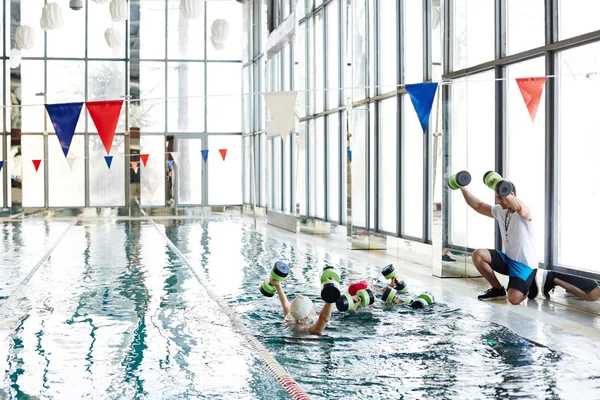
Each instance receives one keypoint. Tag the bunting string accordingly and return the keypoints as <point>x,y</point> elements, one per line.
<point>447,82</point>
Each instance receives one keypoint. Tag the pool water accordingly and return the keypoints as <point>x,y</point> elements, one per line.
<point>114,312</point>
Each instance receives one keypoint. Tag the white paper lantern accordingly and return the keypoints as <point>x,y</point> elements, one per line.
<point>25,37</point>
<point>191,8</point>
<point>113,38</point>
<point>219,32</point>
<point>15,58</point>
<point>101,1</point>
<point>52,17</point>
<point>118,10</point>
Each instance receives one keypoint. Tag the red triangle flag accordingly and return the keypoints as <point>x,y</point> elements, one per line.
<point>531,89</point>
<point>223,153</point>
<point>36,164</point>
<point>134,165</point>
<point>105,115</point>
<point>144,158</point>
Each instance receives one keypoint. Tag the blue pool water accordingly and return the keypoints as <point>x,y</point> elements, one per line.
<point>115,313</point>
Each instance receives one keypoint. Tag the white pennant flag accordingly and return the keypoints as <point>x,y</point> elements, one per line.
<point>71,161</point>
<point>282,106</point>
<point>175,155</point>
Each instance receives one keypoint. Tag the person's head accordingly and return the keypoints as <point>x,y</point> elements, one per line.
<point>302,308</point>
<point>502,200</point>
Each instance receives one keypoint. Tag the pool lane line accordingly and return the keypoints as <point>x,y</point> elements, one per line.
<point>288,383</point>
<point>37,266</point>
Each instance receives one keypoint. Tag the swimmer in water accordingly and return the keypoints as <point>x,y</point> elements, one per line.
<point>300,313</point>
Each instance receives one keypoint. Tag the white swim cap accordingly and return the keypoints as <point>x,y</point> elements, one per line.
<point>301,307</point>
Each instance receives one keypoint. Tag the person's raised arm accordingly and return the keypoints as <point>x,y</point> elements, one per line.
<point>324,317</point>
<point>476,204</point>
<point>519,207</point>
<point>282,297</point>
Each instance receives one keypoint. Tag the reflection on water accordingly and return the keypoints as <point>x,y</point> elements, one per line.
<point>113,313</point>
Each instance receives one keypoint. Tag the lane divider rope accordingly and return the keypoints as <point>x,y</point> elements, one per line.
<point>24,282</point>
<point>288,383</point>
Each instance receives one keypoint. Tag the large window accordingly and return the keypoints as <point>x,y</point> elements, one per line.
<point>473,32</point>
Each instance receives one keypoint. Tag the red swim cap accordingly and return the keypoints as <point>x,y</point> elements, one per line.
<point>355,287</point>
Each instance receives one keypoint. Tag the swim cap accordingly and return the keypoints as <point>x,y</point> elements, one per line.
<point>355,287</point>
<point>301,307</point>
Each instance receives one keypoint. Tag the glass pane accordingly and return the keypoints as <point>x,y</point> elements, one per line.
<point>106,81</point>
<point>333,63</point>
<point>185,92</point>
<point>578,179</point>
<point>359,52</point>
<point>525,25</point>
<point>319,64</point>
<point>312,167</point>
<point>359,167</point>
<point>320,167</point>
<point>7,166</point>
<point>526,144</point>
<point>185,36</point>
<point>262,170</point>
<point>277,167</point>
<point>287,162</point>
<point>300,68</point>
<point>152,176</point>
<point>107,185</point>
<point>32,148</point>
<point>333,167</point>
<point>389,46</point>
<point>224,109</point>
<point>301,173</point>
<point>473,32</point>
<point>72,32</point>
<point>31,11</point>
<point>31,119</point>
<point>389,171</point>
<point>97,26</point>
<point>152,86</point>
<point>66,84</point>
<point>310,60</point>
<point>247,100</point>
<point>66,184</point>
<point>412,179</point>
<point>232,13</point>
<point>269,182</point>
<point>286,71</point>
<point>370,184</point>
<point>188,172</point>
<point>152,30</point>
<point>372,49</point>
<point>576,17</point>
<point>247,171</point>
<point>473,149</point>
<point>413,47</point>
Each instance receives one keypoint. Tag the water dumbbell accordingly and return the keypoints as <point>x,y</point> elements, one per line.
<point>345,303</point>
<point>389,295</point>
<point>428,297</point>
<point>458,180</point>
<point>330,288</point>
<point>422,301</point>
<point>366,297</point>
<point>279,272</point>
<point>389,272</point>
<point>494,181</point>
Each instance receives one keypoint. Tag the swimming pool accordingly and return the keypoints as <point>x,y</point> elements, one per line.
<point>114,312</point>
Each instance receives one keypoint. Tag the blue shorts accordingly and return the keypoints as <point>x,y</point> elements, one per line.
<point>521,276</point>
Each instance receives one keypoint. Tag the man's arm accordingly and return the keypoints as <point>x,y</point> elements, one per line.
<point>282,297</point>
<point>476,204</point>
<point>324,317</point>
<point>519,207</point>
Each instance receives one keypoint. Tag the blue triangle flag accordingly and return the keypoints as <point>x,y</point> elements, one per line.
<point>350,155</point>
<point>170,164</point>
<point>108,160</point>
<point>204,154</point>
<point>64,119</point>
<point>422,95</point>
<point>1,164</point>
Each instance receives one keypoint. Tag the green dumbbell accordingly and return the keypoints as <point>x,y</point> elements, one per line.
<point>389,294</point>
<point>458,180</point>
<point>366,297</point>
<point>389,272</point>
<point>330,288</point>
<point>279,272</point>
<point>345,303</point>
<point>418,303</point>
<point>428,297</point>
<point>494,181</point>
